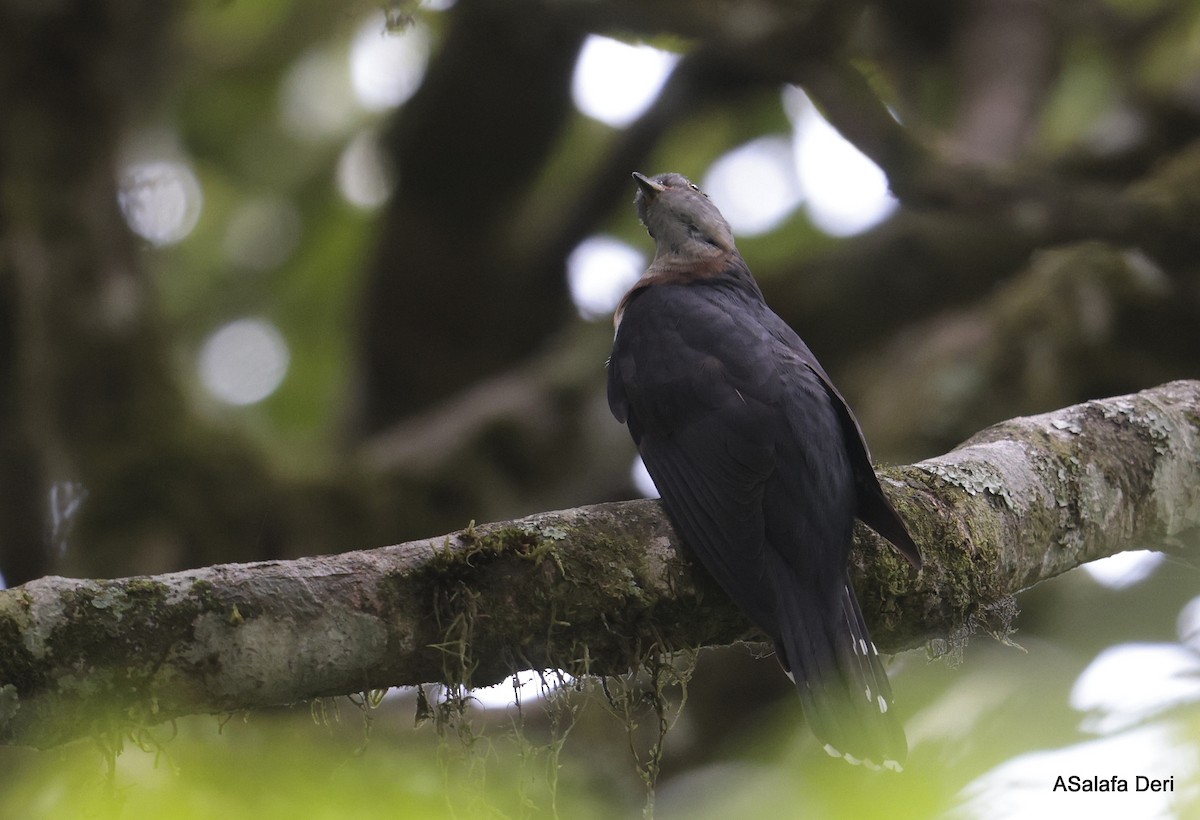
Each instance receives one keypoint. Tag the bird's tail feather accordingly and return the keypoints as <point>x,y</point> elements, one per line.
<point>843,687</point>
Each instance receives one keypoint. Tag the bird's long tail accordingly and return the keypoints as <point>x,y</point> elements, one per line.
<point>843,687</point>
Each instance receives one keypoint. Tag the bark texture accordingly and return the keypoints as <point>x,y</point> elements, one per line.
<point>591,590</point>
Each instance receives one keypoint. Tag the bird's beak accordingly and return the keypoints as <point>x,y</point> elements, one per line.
<point>649,187</point>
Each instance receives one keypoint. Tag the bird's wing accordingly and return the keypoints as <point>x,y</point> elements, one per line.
<point>685,375</point>
<point>874,508</point>
<point>810,498</point>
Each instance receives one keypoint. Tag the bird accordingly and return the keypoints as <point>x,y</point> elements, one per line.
<point>759,462</point>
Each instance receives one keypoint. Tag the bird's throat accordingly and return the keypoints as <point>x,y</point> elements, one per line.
<point>674,268</point>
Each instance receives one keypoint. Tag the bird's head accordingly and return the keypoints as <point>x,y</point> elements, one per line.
<point>683,221</point>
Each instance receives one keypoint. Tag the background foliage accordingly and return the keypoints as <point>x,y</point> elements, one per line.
<point>438,371</point>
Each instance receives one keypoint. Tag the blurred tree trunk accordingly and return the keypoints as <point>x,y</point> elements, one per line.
<point>100,447</point>
<point>449,276</point>
<point>83,376</point>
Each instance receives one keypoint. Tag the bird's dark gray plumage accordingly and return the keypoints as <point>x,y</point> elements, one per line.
<point>760,463</point>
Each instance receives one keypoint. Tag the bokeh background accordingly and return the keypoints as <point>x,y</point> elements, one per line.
<point>280,278</point>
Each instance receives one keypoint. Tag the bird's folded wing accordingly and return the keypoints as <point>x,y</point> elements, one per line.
<point>711,477</point>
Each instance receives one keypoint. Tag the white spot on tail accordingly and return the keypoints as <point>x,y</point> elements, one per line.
<point>882,705</point>
<point>891,765</point>
<point>874,649</point>
<point>863,645</point>
<point>870,697</point>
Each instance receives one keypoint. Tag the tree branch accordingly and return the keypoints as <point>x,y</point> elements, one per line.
<point>595,589</point>
<point>1155,213</point>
